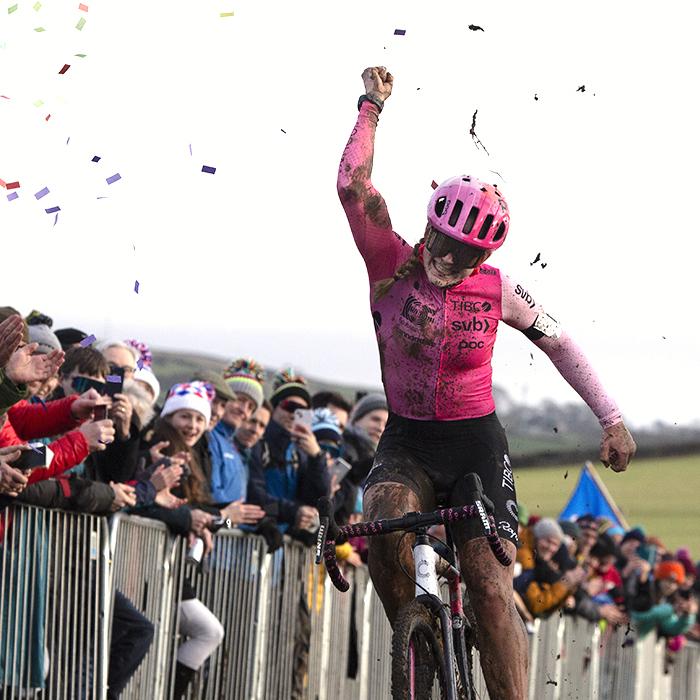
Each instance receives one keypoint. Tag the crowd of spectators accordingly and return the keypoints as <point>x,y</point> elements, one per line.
<point>217,453</point>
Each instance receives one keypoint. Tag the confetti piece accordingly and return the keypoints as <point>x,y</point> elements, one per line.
<point>114,378</point>
<point>208,169</point>
<point>11,196</point>
<point>399,32</point>
<point>3,183</point>
<point>283,131</point>
<point>41,401</point>
<point>81,24</point>
<point>103,198</point>
<point>10,10</point>
<point>82,7</point>
<point>48,116</point>
<point>434,185</point>
<point>34,448</point>
<point>42,193</point>
<point>225,14</point>
<point>53,210</point>
<point>81,55</point>
<point>55,220</point>
<point>37,6</point>
<point>5,97</point>
<point>38,103</point>
<point>68,141</point>
<point>136,286</point>
<point>113,178</point>
<point>139,363</point>
<point>12,185</point>
<point>190,149</point>
<point>39,29</point>
<point>96,159</point>
<point>60,99</point>
<point>64,69</point>
<point>88,341</point>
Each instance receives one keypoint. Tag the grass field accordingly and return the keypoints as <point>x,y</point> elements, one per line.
<point>662,495</point>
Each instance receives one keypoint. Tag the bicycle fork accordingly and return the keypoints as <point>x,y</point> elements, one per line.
<point>426,561</point>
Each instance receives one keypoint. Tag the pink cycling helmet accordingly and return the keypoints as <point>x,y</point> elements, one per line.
<point>470,211</point>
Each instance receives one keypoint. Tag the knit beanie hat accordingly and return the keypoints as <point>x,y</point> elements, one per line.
<point>221,388</point>
<point>285,384</point>
<point>670,569</point>
<point>636,533</point>
<point>587,522</point>
<point>245,376</point>
<point>683,556</point>
<point>145,358</point>
<point>70,336</point>
<point>6,312</point>
<point>195,396</point>
<point>547,527</point>
<point>367,404</point>
<point>146,375</point>
<point>571,528</point>
<point>324,425</point>
<point>40,332</point>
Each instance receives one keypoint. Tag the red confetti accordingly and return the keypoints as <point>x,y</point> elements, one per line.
<point>434,185</point>
<point>3,183</point>
<point>48,116</point>
<point>82,7</point>
<point>64,69</point>
<point>12,185</point>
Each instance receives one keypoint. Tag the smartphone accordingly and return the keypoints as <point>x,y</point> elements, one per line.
<point>115,381</point>
<point>100,412</point>
<point>38,457</point>
<point>339,468</point>
<point>647,552</point>
<point>303,416</point>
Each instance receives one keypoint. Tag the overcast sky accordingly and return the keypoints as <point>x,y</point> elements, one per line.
<point>257,259</point>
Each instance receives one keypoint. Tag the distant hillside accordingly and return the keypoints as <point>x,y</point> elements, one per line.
<point>548,433</point>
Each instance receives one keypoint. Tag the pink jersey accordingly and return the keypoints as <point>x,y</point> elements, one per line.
<point>436,345</point>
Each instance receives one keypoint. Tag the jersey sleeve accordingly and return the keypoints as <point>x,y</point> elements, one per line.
<point>382,250</point>
<point>521,311</point>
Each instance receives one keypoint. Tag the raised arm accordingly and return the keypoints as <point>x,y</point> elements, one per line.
<point>364,206</point>
<point>522,312</point>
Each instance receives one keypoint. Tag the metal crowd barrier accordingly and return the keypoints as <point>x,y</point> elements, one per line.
<point>288,632</point>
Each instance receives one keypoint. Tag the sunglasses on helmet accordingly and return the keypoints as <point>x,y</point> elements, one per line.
<point>82,384</point>
<point>464,256</point>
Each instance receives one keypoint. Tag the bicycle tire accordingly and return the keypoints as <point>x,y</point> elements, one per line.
<point>417,664</point>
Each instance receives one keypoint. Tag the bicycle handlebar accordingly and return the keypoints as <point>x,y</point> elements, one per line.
<point>329,534</point>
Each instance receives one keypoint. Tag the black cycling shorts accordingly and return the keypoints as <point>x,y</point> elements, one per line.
<point>420,454</point>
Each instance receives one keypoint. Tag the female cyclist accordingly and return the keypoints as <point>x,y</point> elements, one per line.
<point>436,307</point>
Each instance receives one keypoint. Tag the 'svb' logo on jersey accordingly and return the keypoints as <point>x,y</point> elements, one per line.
<point>417,312</point>
<point>508,479</point>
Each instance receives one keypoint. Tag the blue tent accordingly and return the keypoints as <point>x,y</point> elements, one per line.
<point>591,496</point>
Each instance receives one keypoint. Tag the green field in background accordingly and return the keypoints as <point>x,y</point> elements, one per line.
<point>662,495</point>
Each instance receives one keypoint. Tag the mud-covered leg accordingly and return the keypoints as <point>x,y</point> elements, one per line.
<point>390,500</point>
<point>503,645</point>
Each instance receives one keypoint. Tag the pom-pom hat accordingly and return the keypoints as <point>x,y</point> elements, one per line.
<point>286,384</point>
<point>194,396</point>
<point>40,332</point>
<point>245,376</point>
<point>324,425</point>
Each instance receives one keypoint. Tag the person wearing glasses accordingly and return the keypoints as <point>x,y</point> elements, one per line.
<point>288,472</point>
<point>436,306</point>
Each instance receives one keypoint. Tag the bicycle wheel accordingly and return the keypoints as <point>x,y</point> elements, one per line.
<point>418,664</point>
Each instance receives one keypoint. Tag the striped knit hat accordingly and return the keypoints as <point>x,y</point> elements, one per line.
<point>246,376</point>
<point>195,396</point>
<point>285,384</point>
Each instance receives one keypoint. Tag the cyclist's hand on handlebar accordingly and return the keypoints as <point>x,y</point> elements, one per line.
<point>378,81</point>
<point>617,447</point>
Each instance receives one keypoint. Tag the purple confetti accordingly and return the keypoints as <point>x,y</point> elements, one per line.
<point>113,178</point>
<point>139,363</point>
<point>113,378</point>
<point>11,196</point>
<point>55,221</point>
<point>283,131</point>
<point>67,142</point>
<point>41,401</point>
<point>52,210</point>
<point>190,149</point>
<point>136,286</point>
<point>96,159</point>
<point>42,193</point>
<point>34,448</point>
<point>208,169</point>
<point>104,443</point>
<point>88,341</point>
<point>103,198</point>
<point>399,32</point>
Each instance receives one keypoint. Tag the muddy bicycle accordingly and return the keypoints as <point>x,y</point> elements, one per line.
<point>431,640</point>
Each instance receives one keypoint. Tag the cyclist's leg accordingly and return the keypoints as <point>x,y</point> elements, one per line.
<point>392,489</point>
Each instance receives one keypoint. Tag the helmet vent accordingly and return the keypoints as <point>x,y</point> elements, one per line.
<point>485,227</point>
<point>440,206</point>
<point>483,189</point>
<point>499,234</point>
<point>471,220</point>
<point>466,179</point>
<point>456,211</point>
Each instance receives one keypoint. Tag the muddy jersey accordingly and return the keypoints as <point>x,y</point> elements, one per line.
<point>436,345</point>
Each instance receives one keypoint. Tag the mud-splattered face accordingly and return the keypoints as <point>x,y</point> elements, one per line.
<point>443,271</point>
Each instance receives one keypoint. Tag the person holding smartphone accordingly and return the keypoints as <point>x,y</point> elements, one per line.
<point>436,306</point>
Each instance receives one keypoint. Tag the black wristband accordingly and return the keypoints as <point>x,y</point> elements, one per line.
<point>378,101</point>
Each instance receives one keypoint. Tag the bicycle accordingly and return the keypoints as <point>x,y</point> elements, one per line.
<point>423,660</point>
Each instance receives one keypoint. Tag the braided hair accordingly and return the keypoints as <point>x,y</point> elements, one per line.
<point>383,287</point>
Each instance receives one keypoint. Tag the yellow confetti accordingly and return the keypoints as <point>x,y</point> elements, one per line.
<point>60,99</point>
<point>38,103</point>
<point>225,14</point>
<point>37,6</point>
